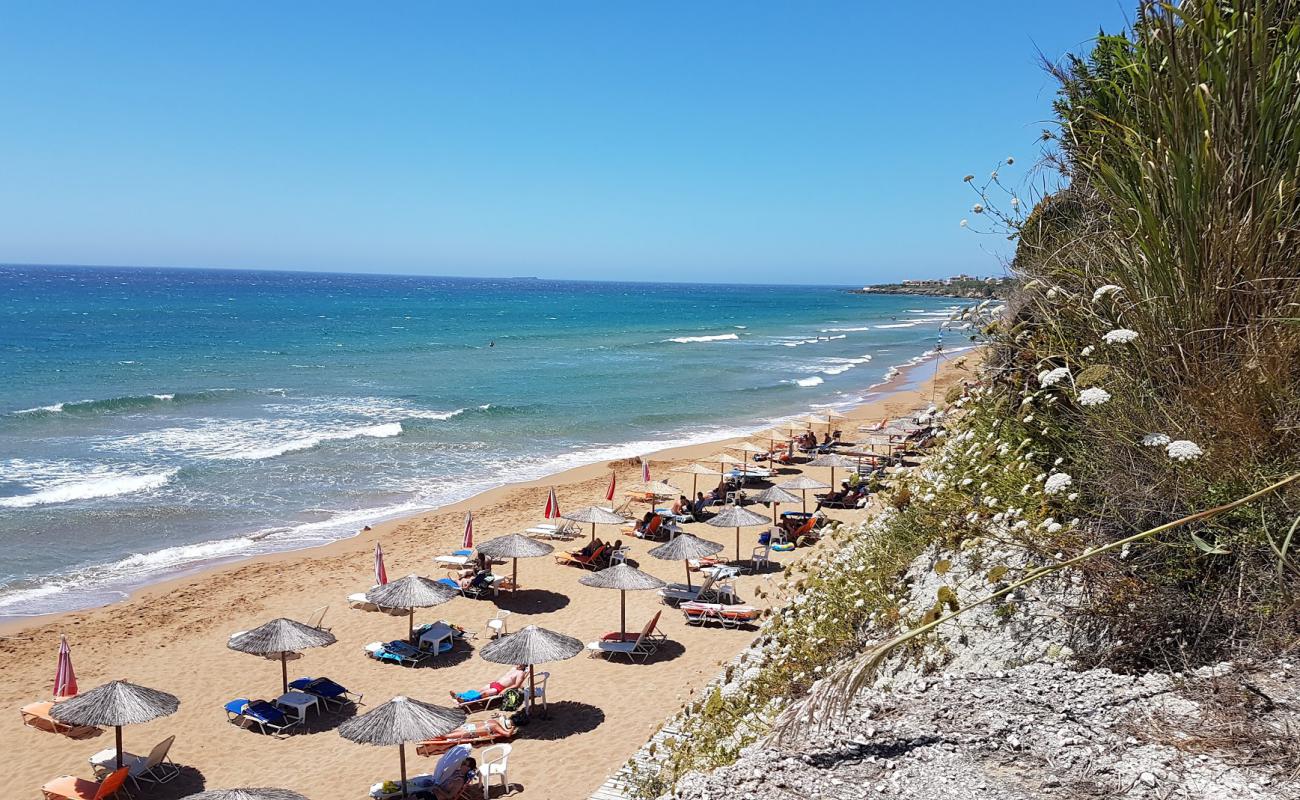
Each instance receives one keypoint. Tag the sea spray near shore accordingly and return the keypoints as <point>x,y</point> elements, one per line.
<point>406,407</point>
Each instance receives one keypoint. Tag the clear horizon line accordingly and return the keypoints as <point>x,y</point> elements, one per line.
<point>316,271</point>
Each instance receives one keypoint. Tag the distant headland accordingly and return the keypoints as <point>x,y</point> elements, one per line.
<point>966,286</point>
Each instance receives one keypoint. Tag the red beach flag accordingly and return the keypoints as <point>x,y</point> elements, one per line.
<point>65,680</point>
<point>609,493</point>
<point>468,541</point>
<point>552,505</point>
<point>645,471</point>
<point>381,574</point>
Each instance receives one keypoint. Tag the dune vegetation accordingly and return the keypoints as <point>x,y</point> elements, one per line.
<point>1136,418</point>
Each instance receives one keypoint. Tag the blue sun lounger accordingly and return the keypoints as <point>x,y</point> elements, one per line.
<point>397,652</point>
<point>329,692</point>
<point>264,715</point>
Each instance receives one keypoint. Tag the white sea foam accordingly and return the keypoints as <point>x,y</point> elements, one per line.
<point>50,409</point>
<point>249,440</point>
<point>94,484</point>
<point>898,325</point>
<point>815,380</point>
<point>857,329</point>
<point>721,337</point>
<point>164,397</point>
<point>383,431</point>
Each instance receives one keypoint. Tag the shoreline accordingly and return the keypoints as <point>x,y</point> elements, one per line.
<point>900,378</point>
<point>172,636</point>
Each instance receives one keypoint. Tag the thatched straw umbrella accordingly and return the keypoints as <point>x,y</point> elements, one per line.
<point>116,703</point>
<point>833,460</point>
<point>773,436</point>
<point>736,517</point>
<point>685,547</point>
<point>246,794</point>
<point>411,592</point>
<point>802,484</point>
<point>531,646</point>
<point>625,579</point>
<point>399,721</point>
<point>724,459</point>
<point>280,637</point>
<point>776,496</point>
<point>596,516</point>
<point>656,488</point>
<point>695,471</point>
<point>514,546</point>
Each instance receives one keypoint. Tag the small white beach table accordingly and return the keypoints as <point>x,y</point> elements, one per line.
<point>297,704</point>
<point>432,639</point>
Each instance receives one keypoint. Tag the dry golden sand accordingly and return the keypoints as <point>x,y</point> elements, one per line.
<point>172,636</point>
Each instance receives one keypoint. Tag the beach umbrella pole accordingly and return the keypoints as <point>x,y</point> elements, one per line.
<point>593,532</point>
<point>622,615</point>
<point>117,729</point>
<point>737,543</point>
<point>410,626</point>
<point>532,686</point>
<point>514,575</point>
<point>401,755</point>
<point>687,562</point>
<point>284,673</point>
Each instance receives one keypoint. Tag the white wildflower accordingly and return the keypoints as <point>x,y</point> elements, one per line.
<point>1103,291</point>
<point>1057,483</point>
<point>965,222</point>
<point>1051,293</point>
<point>1051,377</point>
<point>1120,336</point>
<point>1015,202</point>
<point>1093,396</point>
<point>1183,450</point>
<point>860,604</point>
<point>978,208</point>
<point>1055,527</point>
<point>1155,440</point>
<point>1072,496</point>
<point>1087,351</point>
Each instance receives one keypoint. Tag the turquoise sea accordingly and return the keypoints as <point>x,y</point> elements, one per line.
<point>156,420</point>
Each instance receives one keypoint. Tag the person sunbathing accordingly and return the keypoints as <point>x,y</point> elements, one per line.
<point>643,523</point>
<point>589,548</point>
<point>512,679</point>
<point>682,507</point>
<point>498,726</point>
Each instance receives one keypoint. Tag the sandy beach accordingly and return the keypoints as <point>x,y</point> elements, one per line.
<point>172,636</point>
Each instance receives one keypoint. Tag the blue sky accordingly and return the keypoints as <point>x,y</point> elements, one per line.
<point>783,142</point>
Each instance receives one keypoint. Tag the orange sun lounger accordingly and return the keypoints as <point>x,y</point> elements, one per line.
<point>37,715</point>
<point>67,787</point>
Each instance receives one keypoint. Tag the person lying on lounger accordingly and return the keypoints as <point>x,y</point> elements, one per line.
<point>644,523</point>
<point>512,679</point>
<point>498,726</point>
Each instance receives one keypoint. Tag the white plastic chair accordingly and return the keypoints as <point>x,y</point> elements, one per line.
<point>759,558</point>
<point>493,761</point>
<point>539,690</point>
<point>498,624</point>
